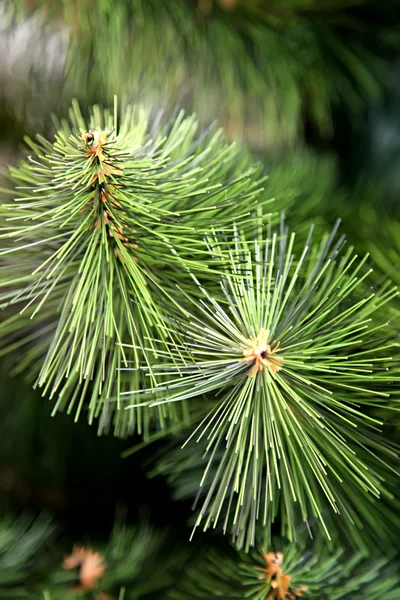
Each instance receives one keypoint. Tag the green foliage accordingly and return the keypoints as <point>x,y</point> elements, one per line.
<point>24,552</point>
<point>315,574</point>
<point>302,182</point>
<point>371,221</point>
<point>384,242</point>
<point>191,475</point>
<point>105,222</point>
<point>144,284</point>
<point>32,566</point>
<point>133,567</point>
<point>258,68</point>
<point>294,360</point>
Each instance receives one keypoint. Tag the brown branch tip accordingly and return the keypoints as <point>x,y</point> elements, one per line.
<point>91,566</point>
<point>279,581</point>
<point>258,352</point>
<point>94,141</point>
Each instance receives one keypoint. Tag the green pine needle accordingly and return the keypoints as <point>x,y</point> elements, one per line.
<point>376,520</point>
<point>105,222</point>
<point>290,432</point>
<point>23,549</point>
<point>288,572</point>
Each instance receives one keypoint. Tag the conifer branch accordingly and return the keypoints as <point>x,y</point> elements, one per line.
<point>289,572</point>
<point>32,563</point>
<point>295,358</point>
<point>105,222</point>
<point>123,567</point>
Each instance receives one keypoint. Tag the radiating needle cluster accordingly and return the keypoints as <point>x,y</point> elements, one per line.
<point>292,357</point>
<point>289,572</point>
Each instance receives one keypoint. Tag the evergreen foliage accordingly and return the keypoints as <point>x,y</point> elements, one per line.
<point>258,67</point>
<point>288,572</point>
<point>24,553</point>
<point>190,478</point>
<point>105,222</point>
<point>32,563</point>
<point>295,358</point>
<point>189,294</point>
<point>123,568</point>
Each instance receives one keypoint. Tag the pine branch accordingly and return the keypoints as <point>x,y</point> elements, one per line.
<point>371,223</point>
<point>288,572</point>
<point>192,475</point>
<point>383,242</point>
<point>31,564</point>
<point>124,567</point>
<point>104,223</point>
<point>295,358</point>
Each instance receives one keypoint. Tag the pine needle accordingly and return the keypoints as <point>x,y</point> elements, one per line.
<point>104,223</point>
<point>295,360</point>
